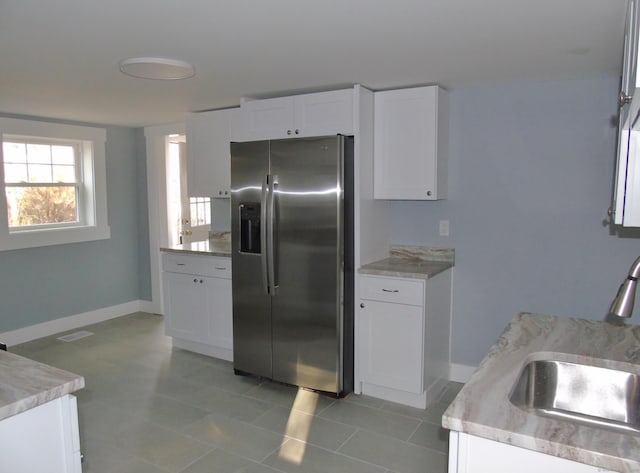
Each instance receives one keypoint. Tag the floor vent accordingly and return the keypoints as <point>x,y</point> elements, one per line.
<point>72,337</point>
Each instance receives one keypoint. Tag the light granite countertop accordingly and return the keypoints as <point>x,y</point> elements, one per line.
<point>25,384</point>
<point>482,407</point>
<point>218,245</point>
<point>411,262</point>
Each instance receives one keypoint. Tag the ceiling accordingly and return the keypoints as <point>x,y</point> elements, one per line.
<point>60,58</point>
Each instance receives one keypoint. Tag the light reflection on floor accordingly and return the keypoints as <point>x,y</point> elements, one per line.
<point>299,426</point>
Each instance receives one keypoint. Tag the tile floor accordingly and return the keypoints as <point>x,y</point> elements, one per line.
<point>148,408</point>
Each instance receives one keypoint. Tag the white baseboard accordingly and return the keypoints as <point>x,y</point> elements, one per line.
<point>461,373</point>
<point>52,327</point>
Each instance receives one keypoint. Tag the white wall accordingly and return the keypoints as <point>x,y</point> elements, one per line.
<point>530,178</point>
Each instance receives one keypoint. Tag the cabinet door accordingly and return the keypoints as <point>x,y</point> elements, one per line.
<point>626,197</point>
<point>392,345</point>
<point>268,119</point>
<point>220,312</point>
<point>42,439</point>
<point>208,152</point>
<point>325,113</point>
<point>471,454</point>
<point>186,306</point>
<point>410,144</point>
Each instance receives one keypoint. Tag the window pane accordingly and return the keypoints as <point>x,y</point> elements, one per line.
<point>39,173</point>
<point>200,210</point>
<point>64,173</point>
<point>62,155</point>
<point>14,152</point>
<point>41,205</point>
<point>15,173</point>
<point>38,153</point>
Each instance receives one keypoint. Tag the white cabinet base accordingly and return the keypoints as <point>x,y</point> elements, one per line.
<point>404,337</point>
<point>204,348</point>
<point>403,397</point>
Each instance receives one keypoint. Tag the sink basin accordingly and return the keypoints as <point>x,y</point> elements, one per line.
<point>597,396</point>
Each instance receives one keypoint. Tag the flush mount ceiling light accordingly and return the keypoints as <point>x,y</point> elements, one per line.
<point>156,68</point>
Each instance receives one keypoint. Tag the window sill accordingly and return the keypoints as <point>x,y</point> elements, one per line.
<point>59,236</point>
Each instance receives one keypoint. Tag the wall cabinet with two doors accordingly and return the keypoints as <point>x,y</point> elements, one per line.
<point>318,114</point>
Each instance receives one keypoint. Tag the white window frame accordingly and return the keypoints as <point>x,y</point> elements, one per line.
<point>95,221</point>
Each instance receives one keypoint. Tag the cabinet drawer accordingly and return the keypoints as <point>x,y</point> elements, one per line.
<point>214,266</point>
<point>398,290</point>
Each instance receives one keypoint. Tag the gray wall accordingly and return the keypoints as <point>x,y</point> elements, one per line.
<point>43,284</point>
<point>531,169</point>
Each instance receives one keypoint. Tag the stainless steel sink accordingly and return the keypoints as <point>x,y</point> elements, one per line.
<point>598,396</point>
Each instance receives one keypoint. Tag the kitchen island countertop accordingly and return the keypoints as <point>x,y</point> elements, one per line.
<point>482,408</point>
<point>25,384</point>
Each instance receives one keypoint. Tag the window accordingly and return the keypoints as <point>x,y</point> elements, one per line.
<point>53,179</point>
<point>200,210</point>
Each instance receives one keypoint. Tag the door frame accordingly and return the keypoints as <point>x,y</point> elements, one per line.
<point>156,141</point>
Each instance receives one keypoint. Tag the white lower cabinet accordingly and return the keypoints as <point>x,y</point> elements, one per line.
<point>42,439</point>
<point>404,337</point>
<point>471,454</point>
<point>197,303</point>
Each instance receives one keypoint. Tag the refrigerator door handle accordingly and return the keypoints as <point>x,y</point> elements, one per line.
<point>272,235</point>
<point>263,233</point>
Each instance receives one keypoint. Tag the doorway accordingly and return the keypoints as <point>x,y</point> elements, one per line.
<point>174,216</point>
<point>188,217</point>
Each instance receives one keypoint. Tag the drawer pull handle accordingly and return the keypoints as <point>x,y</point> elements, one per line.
<point>220,268</point>
<point>390,290</point>
<point>180,264</point>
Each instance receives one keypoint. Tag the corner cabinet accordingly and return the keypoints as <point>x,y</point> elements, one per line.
<point>208,152</point>
<point>322,113</point>
<point>411,140</point>
<point>471,454</point>
<point>197,303</point>
<point>404,332</point>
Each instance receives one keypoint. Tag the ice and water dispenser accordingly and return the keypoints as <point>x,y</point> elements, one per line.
<point>250,227</point>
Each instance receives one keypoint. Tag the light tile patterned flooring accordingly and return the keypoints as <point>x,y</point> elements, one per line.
<point>149,408</point>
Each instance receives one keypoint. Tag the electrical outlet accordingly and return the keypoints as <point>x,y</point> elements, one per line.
<point>444,227</point>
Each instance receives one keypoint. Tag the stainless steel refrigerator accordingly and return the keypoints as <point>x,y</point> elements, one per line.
<point>292,261</point>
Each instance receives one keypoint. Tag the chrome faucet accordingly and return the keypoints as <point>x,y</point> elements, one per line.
<point>622,305</point>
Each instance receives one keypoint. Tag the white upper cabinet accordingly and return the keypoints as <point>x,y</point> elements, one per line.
<point>411,144</point>
<point>626,199</point>
<point>208,152</point>
<point>323,113</point>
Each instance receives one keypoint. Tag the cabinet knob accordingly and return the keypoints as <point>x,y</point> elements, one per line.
<point>195,280</point>
<point>201,281</point>
<point>226,192</point>
<point>429,193</point>
<point>288,132</point>
<point>362,305</point>
<point>219,192</point>
<point>624,99</point>
<point>297,132</point>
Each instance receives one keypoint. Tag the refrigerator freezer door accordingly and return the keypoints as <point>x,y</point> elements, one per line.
<point>251,304</point>
<point>307,308</point>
